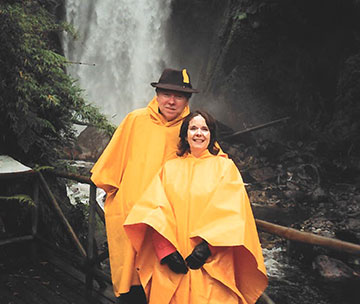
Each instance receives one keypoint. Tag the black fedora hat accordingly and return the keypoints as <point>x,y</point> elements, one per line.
<point>175,80</point>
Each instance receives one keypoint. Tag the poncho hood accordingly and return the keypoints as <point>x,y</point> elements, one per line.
<point>205,154</point>
<point>159,119</point>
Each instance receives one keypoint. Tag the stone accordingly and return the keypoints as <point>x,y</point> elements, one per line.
<point>89,145</point>
<point>262,174</point>
<point>333,270</point>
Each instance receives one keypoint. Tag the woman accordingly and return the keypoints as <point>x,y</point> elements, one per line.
<point>193,229</point>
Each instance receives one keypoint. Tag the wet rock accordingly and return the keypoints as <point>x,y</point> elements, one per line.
<point>80,167</point>
<point>92,143</point>
<point>273,214</point>
<point>347,236</point>
<point>319,195</point>
<point>333,270</point>
<point>352,226</point>
<point>258,197</point>
<point>295,195</point>
<point>262,174</point>
<point>320,225</point>
<point>292,186</point>
<point>339,281</point>
<point>235,152</point>
<point>89,145</point>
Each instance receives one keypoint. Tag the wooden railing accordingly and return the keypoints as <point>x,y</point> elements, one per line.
<point>92,258</point>
<point>284,232</point>
<point>89,259</point>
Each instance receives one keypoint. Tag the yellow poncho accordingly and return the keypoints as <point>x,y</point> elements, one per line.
<point>189,200</point>
<point>139,147</point>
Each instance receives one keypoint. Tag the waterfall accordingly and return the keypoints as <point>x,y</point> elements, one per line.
<point>121,45</point>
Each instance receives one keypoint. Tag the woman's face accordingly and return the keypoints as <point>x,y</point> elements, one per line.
<point>198,135</point>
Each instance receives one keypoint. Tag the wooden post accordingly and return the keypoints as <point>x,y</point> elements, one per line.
<point>35,217</point>
<point>62,217</point>
<point>100,213</point>
<point>35,213</point>
<point>16,239</point>
<point>306,237</point>
<point>265,298</point>
<point>265,125</point>
<point>85,180</point>
<point>72,176</point>
<point>90,238</point>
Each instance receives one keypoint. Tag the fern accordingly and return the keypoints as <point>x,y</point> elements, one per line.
<point>21,198</point>
<point>39,101</point>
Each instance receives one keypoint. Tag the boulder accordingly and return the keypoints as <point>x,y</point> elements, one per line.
<point>89,145</point>
<point>92,142</point>
<point>333,270</point>
<point>262,174</point>
<point>338,280</point>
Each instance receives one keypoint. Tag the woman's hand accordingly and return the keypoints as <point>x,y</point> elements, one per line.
<point>175,262</point>
<point>198,256</point>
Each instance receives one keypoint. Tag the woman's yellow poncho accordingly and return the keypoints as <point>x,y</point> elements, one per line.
<point>189,200</point>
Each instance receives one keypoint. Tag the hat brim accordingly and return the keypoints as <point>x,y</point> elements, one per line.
<point>173,87</point>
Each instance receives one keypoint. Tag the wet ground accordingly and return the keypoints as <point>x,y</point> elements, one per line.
<point>293,185</point>
<point>46,279</point>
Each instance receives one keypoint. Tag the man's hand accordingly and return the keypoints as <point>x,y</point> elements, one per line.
<point>198,256</point>
<point>175,262</point>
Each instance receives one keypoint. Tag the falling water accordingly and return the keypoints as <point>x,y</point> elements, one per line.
<point>122,49</point>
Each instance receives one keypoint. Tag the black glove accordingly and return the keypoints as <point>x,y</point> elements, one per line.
<point>198,256</point>
<point>175,262</point>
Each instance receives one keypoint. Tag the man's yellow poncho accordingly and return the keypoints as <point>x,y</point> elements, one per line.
<point>139,147</point>
<point>189,200</point>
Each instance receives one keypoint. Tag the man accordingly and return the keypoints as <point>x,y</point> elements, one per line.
<point>145,139</point>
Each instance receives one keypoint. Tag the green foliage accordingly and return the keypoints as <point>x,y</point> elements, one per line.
<point>21,198</point>
<point>241,16</point>
<point>43,168</point>
<point>39,101</point>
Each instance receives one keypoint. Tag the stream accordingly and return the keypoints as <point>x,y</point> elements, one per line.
<point>288,282</point>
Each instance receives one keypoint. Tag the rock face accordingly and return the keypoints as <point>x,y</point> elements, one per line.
<point>92,143</point>
<point>339,280</point>
<point>256,61</point>
<point>333,270</point>
<point>89,145</point>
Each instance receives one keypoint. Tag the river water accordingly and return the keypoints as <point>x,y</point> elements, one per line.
<point>289,282</point>
<point>121,47</point>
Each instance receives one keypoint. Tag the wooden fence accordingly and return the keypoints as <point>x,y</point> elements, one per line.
<point>89,258</point>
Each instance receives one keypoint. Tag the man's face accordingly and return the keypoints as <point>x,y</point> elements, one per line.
<point>171,103</point>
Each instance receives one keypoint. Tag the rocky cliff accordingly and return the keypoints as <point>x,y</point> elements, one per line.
<point>260,60</point>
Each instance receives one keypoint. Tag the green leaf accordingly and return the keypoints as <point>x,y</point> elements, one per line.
<point>22,198</point>
<point>241,16</point>
<point>39,100</point>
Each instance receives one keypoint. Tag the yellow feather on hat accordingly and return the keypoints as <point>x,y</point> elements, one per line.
<point>185,76</point>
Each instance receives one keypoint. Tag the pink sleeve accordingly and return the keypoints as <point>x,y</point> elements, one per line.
<point>161,245</point>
